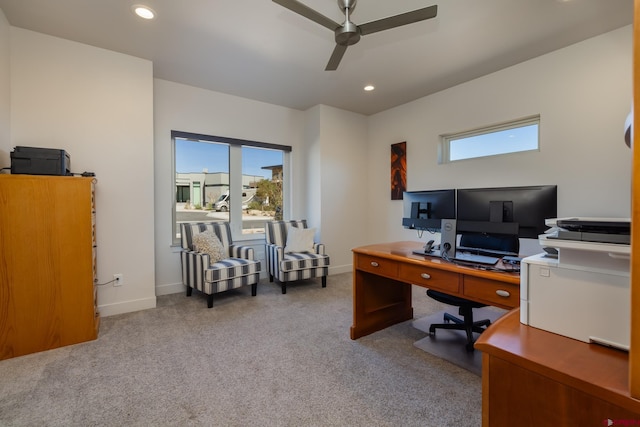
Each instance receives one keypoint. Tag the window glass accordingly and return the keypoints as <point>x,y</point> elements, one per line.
<point>513,137</point>
<point>211,172</point>
<point>261,188</point>
<point>201,178</point>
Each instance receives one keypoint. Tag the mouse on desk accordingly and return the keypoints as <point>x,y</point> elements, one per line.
<point>428,247</point>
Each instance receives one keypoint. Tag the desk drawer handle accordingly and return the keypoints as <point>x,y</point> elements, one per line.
<point>502,293</point>
<point>425,276</point>
<point>374,264</point>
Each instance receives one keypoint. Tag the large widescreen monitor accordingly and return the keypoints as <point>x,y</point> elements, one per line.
<point>507,210</point>
<point>423,210</point>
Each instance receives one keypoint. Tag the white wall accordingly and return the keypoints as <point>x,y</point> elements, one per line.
<point>190,109</point>
<point>343,180</point>
<point>104,107</point>
<point>98,106</point>
<point>328,167</point>
<point>583,95</point>
<point>5,92</point>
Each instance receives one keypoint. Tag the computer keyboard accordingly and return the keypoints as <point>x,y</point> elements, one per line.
<point>475,258</point>
<point>486,252</point>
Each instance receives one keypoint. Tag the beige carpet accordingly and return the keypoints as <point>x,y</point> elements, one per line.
<point>269,360</point>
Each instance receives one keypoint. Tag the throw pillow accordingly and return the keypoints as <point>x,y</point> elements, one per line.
<point>299,239</point>
<point>208,243</point>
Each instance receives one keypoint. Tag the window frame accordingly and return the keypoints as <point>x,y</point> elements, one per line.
<point>235,174</point>
<point>444,155</point>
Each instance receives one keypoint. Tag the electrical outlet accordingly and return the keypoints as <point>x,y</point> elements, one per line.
<point>118,280</point>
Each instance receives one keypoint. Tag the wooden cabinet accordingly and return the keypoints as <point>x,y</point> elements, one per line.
<point>532,377</point>
<point>47,263</point>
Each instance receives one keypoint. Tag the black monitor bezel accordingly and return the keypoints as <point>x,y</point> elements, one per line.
<point>531,206</point>
<point>443,205</point>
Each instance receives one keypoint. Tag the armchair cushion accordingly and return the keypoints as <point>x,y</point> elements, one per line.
<point>207,242</point>
<point>302,261</point>
<point>299,239</point>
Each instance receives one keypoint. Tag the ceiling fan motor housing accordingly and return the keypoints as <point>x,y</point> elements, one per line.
<point>348,34</point>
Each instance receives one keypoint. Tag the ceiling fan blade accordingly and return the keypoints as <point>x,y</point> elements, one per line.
<point>307,12</point>
<point>399,20</point>
<point>336,57</point>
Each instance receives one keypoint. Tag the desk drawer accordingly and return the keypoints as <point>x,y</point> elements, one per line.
<point>500,294</point>
<point>376,265</point>
<point>432,278</point>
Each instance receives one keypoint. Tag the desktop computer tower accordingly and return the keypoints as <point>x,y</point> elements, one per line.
<point>448,235</point>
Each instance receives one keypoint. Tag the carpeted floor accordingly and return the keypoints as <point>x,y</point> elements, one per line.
<point>451,344</point>
<point>269,360</point>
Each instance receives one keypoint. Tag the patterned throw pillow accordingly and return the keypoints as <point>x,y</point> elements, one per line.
<point>208,242</point>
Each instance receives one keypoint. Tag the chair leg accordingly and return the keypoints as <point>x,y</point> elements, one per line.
<point>271,278</point>
<point>189,290</point>
<point>465,324</point>
<point>210,300</point>
<point>284,287</point>
<point>324,281</point>
<point>254,289</point>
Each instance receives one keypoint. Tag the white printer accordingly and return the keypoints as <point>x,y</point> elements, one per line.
<point>584,291</point>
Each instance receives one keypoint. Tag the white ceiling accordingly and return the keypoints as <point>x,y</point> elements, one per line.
<point>259,50</point>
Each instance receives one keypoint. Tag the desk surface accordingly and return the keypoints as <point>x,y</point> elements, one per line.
<point>593,369</point>
<point>384,273</point>
<point>403,252</point>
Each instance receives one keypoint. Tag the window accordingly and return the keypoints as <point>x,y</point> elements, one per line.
<point>511,137</point>
<point>226,179</point>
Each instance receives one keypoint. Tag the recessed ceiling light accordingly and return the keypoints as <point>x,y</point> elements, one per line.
<point>143,11</point>
<point>369,88</point>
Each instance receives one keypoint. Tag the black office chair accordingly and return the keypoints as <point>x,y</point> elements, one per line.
<point>467,324</point>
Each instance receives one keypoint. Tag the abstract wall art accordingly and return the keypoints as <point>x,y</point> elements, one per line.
<point>398,170</point>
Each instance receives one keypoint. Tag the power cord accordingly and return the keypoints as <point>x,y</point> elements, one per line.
<point>420,232</point>
<point>106,283</point>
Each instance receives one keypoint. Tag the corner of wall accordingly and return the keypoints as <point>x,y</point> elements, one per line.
<point>5,90</point>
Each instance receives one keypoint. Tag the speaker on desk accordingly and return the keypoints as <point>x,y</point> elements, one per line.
<point>448,238</point>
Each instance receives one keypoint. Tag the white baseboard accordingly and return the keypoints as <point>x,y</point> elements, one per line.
<point>174,288</point>
<point>348,268</point>
<point>126,306</point>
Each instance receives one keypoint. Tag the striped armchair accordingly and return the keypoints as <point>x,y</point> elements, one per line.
<point>236,268</point>
<point>289,266</point>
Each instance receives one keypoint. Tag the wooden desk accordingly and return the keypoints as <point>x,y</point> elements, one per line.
<point>383,275</point>
<point>532,377</point>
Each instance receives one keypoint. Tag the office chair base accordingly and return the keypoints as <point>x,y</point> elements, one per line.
<point>454,323</point>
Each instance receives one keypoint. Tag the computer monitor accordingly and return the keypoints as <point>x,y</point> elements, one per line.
<point>423,210</point>
<point>507,210</point>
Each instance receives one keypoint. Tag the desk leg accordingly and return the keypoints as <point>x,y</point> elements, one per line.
<point>378,302</point>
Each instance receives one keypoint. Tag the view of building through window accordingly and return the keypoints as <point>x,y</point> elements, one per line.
<point>210,175</point>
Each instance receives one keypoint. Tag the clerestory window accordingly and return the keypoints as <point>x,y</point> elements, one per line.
<point>511,137</point>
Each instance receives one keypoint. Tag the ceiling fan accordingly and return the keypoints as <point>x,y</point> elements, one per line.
<point>349,33</point>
